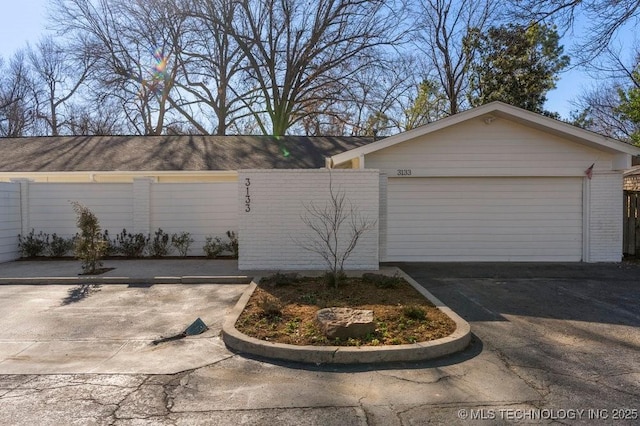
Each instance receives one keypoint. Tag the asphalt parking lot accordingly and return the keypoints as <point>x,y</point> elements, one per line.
<point>571,331</point>
<point>553,344</point>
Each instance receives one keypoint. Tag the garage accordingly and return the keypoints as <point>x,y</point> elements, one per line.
<point>484,219</point>
<point>497,184</point>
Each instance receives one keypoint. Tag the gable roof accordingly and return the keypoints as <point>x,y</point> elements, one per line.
<point>169,153</point>
<point>490,112</point>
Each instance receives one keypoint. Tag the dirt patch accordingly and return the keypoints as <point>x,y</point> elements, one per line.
<point>285,312</point>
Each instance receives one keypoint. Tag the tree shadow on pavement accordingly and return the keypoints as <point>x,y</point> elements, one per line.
<point>80,293</point>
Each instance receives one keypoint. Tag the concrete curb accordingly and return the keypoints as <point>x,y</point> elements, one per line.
<point>79,280</point>
<point>421,351</point>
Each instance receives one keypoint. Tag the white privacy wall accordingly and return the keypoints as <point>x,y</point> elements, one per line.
<point>50,209</point>
<point>9,221</point>
<point>202,209</point>
<point>272,204</point>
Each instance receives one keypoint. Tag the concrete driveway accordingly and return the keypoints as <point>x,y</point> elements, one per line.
<point>553,344</point>
<point>52,329</point>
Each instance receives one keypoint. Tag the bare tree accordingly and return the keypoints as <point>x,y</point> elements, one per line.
<point>370,105</point>
<point>58,75</point>
<point>336,229</point>
<point>443,26</point>
<point>299,52</point>
<point>601,115</point>
<point>211,64</point>
<point>83,119</point>
<point>605,18</point>
<point>17,100</point>
<point>135,47</point>
<point>600,106</point>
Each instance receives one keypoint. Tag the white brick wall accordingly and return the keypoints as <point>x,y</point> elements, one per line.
<point>271,230</point>
<point>605,218</point>
<point>50,209</point>
<point>201,209</point>
<point>382,222</point>
<point>10,225</point>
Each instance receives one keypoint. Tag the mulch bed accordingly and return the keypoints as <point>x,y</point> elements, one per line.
<point>285,313</point>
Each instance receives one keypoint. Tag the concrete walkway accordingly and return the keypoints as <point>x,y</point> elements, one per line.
<point>124,271</point>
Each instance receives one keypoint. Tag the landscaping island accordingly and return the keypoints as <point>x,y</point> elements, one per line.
<point>276,318</point>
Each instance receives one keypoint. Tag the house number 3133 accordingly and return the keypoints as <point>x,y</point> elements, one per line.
<point>247,197</point>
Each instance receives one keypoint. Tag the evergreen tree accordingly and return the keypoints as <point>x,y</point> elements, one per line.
<point>515,64</point>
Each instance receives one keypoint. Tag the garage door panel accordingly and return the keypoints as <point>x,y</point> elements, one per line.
<point>528,255</point>
<point>453,225</point>
<point>488,220</point>
<point>493,238</point>
<point>486,207</point>
<point>492,219</point>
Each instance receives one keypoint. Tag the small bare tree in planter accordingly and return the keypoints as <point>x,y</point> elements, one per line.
<point>337,226</point>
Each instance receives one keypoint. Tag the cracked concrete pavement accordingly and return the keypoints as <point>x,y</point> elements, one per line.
<point>546,337</point>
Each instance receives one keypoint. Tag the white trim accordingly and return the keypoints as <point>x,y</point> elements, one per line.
<point>498,110</point>
<point>95,176</point>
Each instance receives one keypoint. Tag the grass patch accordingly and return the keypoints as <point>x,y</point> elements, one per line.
<point>402,315</point>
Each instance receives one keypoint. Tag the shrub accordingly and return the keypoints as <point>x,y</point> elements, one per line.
<point>33,244</point>
<point>334,279</point>
<point>414,312</point>
<point>280,279</point>
<point>233,245</point>
<point>159,244</point>
<point>382,281</point>
<point>90,245</point>
<point>132,245</point>
<point>112,245</point>
<point>270,306</point>
<point>182,242</point>
<point>60,246</point>
<point>213,247</point>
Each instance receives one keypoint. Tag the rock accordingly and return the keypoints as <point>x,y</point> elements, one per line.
<point>345,323</point>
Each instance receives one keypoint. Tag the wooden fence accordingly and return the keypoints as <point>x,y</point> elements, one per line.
<point>631,233</point>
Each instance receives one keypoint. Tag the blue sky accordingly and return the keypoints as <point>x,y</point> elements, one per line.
<point>25,20</point>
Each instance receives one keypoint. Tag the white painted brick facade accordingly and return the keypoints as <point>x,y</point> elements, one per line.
<point>271,230</point>
<point>50,209</point>
<point>10,224</point>
<point>270,233</point>
<point>382,222</point>
<point>605,218</point>
<point>202,209</point>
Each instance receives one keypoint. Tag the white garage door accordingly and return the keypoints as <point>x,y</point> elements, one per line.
<point>484,219</point>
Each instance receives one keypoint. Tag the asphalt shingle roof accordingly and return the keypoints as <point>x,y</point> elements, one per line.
<point>169,153</point>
